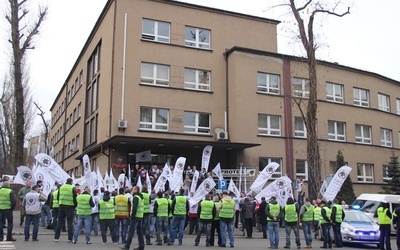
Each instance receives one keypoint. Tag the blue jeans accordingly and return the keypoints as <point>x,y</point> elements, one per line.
<point>162,226</point>
<point>146,226</point>
<point>29,219</point>
<point>337,234</point>
<point>45,214</point>
<point>108,223</point>
<point>177,227</point>
<point>204,224</point>
<point>136,225</point>
<point>65,212</point>
<point>307,232</point>
<point>95,223</point>
<point>124,228</point>
<point>326,227</point>
<point>273,229</point>
<point>86,221</point>
<point>289,227</point>
<point>152,224</point>
<point>226,225</point>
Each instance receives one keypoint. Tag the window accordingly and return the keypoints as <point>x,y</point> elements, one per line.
<point>386,137</point>
<point>155,31</point>
<point>197,79</point>
<point>197,123</point>
<point>269,124</point>
<point>334,92</point>
<point>361,97</point>
<point>268,83</point>
<point>336,131</point>
<point>154,119</point>
<point>197,37</point>
<point>398,106</point>
<point>92,94</point>
<point>299,127</point>
<point>264,161</point>
<point>302,169</point>
<point>383,102</point>
<point>385,173</point>
<point>91,131</point>
<point>365,172</point>
<point>94,63</point>
<point>301,87</point>
<point>155,74</point>
<point>363,134</point>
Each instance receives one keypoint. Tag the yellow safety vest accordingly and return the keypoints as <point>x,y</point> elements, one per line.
<point>5,202</point>
<point>146,199</point>
<point>66,195</point>
<point>55,199</point>
<point>274,210</point>
<point>121,206</point>
<point>180,205</point>
<point>328,214</point>
<point>206,210</point>
<point>290,213</point>
<point>83,207</point>
<point>162,210</point>
<point>339,212</point>
<point>106,210</point>
<point>383,219</point>
<point>227,209</point>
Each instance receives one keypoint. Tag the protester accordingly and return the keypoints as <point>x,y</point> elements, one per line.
<point>95,213</point>
<point>136,220</point>
<point>325,222</point>
<point>161,211</point>
<point>21,195</point>
<point>84,213</point>
<point>7,205</point>
<point>215,224</point>
<point>384,220</point>
<point>122,208</point>
<point>306,219</point>
<point>67,204</point>
<point>146,214</point>
<point>107,218</point>
<point>337,217</point>
<point>291,222</point>
<point>193,217</point>
<point>263,217</point>
<point>274,214</point>
<point>248,211</point>
<point>32,205</point>
<point>226,209</point>
<point>207,213</point>
<point>317,217</point>
<point>179,209</point>
<point>396,224</point>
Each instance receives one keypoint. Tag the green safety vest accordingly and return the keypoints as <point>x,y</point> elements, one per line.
<point>317,213</point>
<point>309,213</point>
<point>66,195</point>
<point>121,206</point>
<point>83,207</point>
<point>106,210</point>
<point>383,219</point>
<point>206,210</point>
<point>328,214</point>
<point>55,199</point>
<point>227,209</point>
<point>290,213</point>
<point>216,213</point>
<point>140,207</point>
<point>5,201</point>
<point>146,199</point>
<point>274,210</point>
<point>339,212</point>
<point>180,205</point>
<point>162,210</point>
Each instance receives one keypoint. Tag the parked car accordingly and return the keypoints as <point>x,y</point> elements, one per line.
<point>357,227</point>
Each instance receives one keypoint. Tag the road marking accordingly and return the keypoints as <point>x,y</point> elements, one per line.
<point>6,245</point>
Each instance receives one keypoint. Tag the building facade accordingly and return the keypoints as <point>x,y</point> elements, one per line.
<point>173,77</point>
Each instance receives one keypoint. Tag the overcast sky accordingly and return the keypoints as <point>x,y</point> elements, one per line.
<point>367,39</point>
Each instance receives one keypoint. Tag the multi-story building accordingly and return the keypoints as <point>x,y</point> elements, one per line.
<point>173,77</point>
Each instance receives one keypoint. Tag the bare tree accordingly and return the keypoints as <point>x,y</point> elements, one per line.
<point>306,34</point>
<point>45,125</point>
<point>21,40</point>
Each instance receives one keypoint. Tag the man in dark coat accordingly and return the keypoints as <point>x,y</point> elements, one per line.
<point>263,217</point>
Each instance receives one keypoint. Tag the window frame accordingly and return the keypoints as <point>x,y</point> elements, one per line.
<point>304,175</point>
<point>362,139</point>
<point>386,142</point>
<point>335,97</point>
<point>154,80</point>
<point>357,100</point>
<point>153,123</point>
<point>269,131</point>
<point>156,27</point>
<point>385,173</point>
<point>303,83</point>
<point>363,177</point>
<point>196,43</point>
<point>265,87</point>
<point>336,136</point>
<point>384,102</point>
<point>299,133</point>
<point>197,85</point>
<point>197,129</point>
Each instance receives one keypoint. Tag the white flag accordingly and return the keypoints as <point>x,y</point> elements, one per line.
<point>232,188</point>
<point>162,179</point>
<point>205,160</point>
<point>52,168</point>
<point>323,188</point>
<point>177,179</point>
<point>283,195</point>
<point>263,177</point>
<point>87,169</point>
<point>195,179</point>
<point>24,174</point>
<point>148,183</point>
<point>129,176</point>
<point>144,156</point>
<point>47,181</point>
<point>217,172</point>
<point>91,180</point>
<point>121,180</point>
<point>274,188</point>
<point>139,182</point>
<point>107,181</point>
<point>113,182</point>
<point>336,183</point>
<point>205,187</point>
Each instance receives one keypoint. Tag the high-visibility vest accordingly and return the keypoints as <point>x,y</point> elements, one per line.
<point>83,207</point>
<point>309,213</point>
<point>274,210</point>
<point>290,213</point>
<point>227,209</point>
<point>5,201</point>
<point>317,213</point>
<point>121,206</point>
<point>339,213</point>
<point>106,210</point>
<point>216,217</point>
<point>206,210</point>
<point>328,214</point>
<point>146,199</point>
<point>66,195</point>
<point>180,205</point>
<point>162,210</point>
<point>383,219</point>
<point>140,207</point>
<point>54,196</point>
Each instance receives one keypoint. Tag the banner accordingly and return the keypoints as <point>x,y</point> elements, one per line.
<point>195,179</point>
<point>336,183</point>
<point>177,179</point>
<point>47,181</point>
<point>91,180</point>
<point>144,156</point>
<point>52,168</point>
<point>86,165</point>
<point>217,172</point>
<point>24,174</point>
<point>162,179</point>
<point>205,160</point>
<point>205,187</point>
<point>113,182</point>
<point>274,189</point>
<point>148,183</point>
<point>232,188</point>
<point>323,188</point>
<point>263,177</point>
<point>284,194</point>
<point>107,181</point>
<point>139,182</point>
<point>121,180</point>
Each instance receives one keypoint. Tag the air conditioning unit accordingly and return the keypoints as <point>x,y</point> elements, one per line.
<point>222,136</point>
<point>122,124</point>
